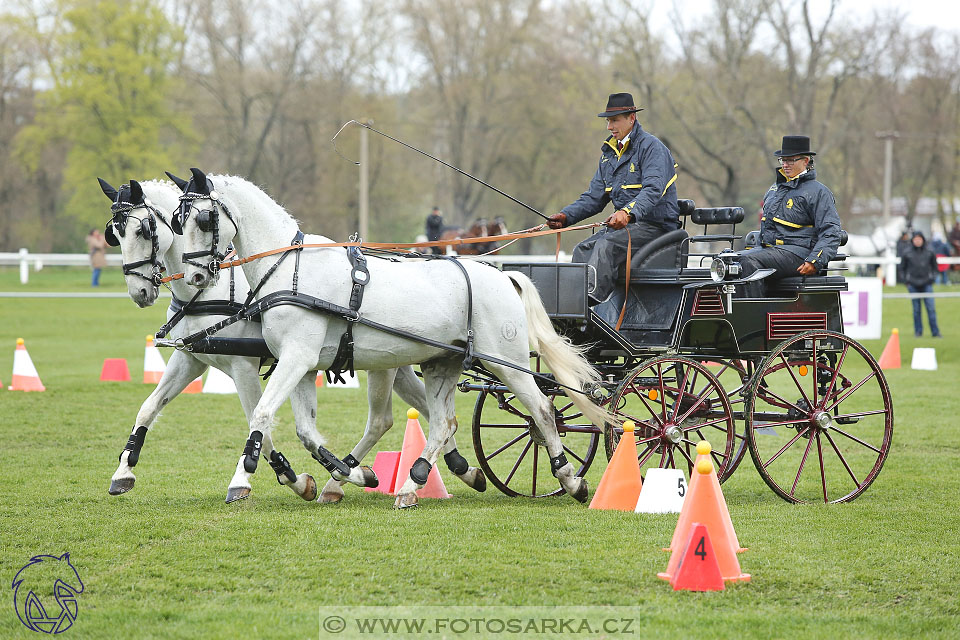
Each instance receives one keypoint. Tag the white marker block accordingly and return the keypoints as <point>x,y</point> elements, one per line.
<point>924,358</point>
<point>663,491</point>
<point>218,382</point>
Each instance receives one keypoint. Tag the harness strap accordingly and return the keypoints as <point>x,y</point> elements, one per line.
<point>323,306</point>
<point>360,275</point>
<point>297,245</point>
<point>180,309</point>
<point>468,357</point>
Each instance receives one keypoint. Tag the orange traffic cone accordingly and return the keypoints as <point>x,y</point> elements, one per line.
<point>413,443</point>
<point>319,379</point>
<point>115,370</point>
<point>25,376</point>
<point>890,358</point>
<point>195,387</point>
<point>153,364</point>
<point>704,504</point>
<point>620,485</point>
<point>385,467</point>
<point>697,568</point>
<point>680,533</point>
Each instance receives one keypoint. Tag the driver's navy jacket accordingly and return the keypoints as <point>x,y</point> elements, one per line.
<point>800,215</point>
<point>640,179</point>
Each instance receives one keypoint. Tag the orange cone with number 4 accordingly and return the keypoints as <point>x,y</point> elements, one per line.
<point>890,358</point>
<point>698,569</point>
<point>621,483</point>
<point>704,505</point>
<point>25,376</point>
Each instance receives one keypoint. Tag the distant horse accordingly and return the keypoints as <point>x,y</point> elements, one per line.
<point>481,228</point>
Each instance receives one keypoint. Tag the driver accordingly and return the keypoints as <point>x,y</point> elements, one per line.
<point>638,174</point>
<point>800,228</point>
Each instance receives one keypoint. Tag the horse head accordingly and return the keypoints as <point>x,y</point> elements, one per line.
<point>200,220</point>
<point>141,231</point>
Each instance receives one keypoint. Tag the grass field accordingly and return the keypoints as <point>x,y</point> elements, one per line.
<point>171,560</point>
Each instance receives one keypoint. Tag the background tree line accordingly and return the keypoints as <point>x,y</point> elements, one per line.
<point>507,90</point>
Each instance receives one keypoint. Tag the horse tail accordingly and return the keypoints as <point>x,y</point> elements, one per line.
<point>562,357</point>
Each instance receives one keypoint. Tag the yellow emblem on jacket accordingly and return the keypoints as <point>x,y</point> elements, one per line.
<point>632,167</point>
<point>789,203</point>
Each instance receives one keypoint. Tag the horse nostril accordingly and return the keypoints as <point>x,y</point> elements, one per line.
<point>143,293</point>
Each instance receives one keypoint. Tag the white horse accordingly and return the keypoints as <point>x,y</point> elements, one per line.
<point>427,298</point>
<point>145,245</point>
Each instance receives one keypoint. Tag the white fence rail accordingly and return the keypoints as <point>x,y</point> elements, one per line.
<point>38,261</point>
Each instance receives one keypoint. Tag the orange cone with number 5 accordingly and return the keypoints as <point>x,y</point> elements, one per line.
<point>620,485</point>
<point>704,505</point>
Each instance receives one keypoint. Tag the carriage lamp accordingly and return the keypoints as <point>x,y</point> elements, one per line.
<point>725,266</point>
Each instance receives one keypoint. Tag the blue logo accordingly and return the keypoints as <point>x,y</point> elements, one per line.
<point>46,580</point>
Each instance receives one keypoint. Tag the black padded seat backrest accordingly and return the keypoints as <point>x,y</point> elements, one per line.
<point>718,215</point>
<point>666,252</point>
<point>843,237</point>
<point>686,207</point>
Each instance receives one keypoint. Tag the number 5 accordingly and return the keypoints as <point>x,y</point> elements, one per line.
<point>681,488</point>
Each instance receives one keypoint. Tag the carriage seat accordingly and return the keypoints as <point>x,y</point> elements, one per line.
<point>660,258</point>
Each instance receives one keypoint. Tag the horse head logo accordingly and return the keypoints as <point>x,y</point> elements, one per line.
<point>44,580</point>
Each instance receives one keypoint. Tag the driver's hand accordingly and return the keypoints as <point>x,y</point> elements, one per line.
<point>806,269</point>
<point>557,221</point>
<point>618,220</point>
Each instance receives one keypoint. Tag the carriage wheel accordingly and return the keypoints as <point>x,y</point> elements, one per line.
<point>819,418</point>
<point>675,402</point>
<point>733,376</point>
<point>511,451</point>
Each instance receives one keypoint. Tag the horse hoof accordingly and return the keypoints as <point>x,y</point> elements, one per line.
<point>405,501</point>
<point>237,493</point>
<point>310,491</point>
<point>369,477</point>
<point>475,479</point>
<point>581,494</point>
<point>330,497</point>
<point>120,485</point>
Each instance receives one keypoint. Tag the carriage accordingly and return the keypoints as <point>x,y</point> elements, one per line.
<point>687,358</point>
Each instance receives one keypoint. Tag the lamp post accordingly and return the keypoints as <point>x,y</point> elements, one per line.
<point>888,137</point>
<point>364,221</point>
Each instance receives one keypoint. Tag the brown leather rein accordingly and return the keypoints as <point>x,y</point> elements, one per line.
<point>526,233</point>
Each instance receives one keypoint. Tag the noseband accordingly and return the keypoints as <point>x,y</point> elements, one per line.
<point>208,220</point>
<point>148,230</point>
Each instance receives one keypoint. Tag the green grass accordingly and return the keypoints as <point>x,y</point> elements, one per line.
<point>171,560</point>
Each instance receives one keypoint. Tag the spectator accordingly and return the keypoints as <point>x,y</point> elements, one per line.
<point>434,228</point>
<point>902,245</point>
<point>942,250</point>
<point>919,265</point>
<point>97,247</point>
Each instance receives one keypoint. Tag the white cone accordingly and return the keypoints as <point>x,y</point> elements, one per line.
<point>153,364</point>
<point>924,358</point>
<point>663,491</point>
<point>218,382</point>
<point>351,382</point>
<point>25,376</point>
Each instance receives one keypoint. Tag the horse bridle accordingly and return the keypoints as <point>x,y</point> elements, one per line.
<point>148,231</point>
<point>208,220</point>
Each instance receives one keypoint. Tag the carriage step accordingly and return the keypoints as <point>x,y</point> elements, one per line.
<point>849,420</point>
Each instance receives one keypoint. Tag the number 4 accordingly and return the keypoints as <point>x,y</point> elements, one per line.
<point>700,550</point>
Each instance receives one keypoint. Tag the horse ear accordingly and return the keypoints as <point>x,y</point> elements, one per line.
<point>136,192</point>
<point>199,181</point>
<point>108,190</point>
<point>180,182</point>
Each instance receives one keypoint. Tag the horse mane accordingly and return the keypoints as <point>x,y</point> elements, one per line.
<point>250,189</point>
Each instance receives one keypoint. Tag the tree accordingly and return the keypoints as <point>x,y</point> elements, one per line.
<point>110,101</point>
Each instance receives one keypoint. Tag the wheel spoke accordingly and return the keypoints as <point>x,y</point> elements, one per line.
<point>681,393</point>
<point>842,459</point>
<point>570,451</point>
<point>813,359</point>
<point>861,414</point>
<point>700,399</point>
<point>855,439</point>
<point>506,446</point>
<point>663,393</point>
<point>716,454</point>
<point>536,457</point>
<point>783,400</point>
<point>823,477</point>
<point>517,464</point>
<point>803,461</point>
<point>836,372</point>
<point>785,447</point>
<point>780,424</point>
<point>706,424</point>
<point>646,456</point>
<point>851,390</point>
<point>687,456</point>
<point>652,412</point>
<point>786,365</point>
